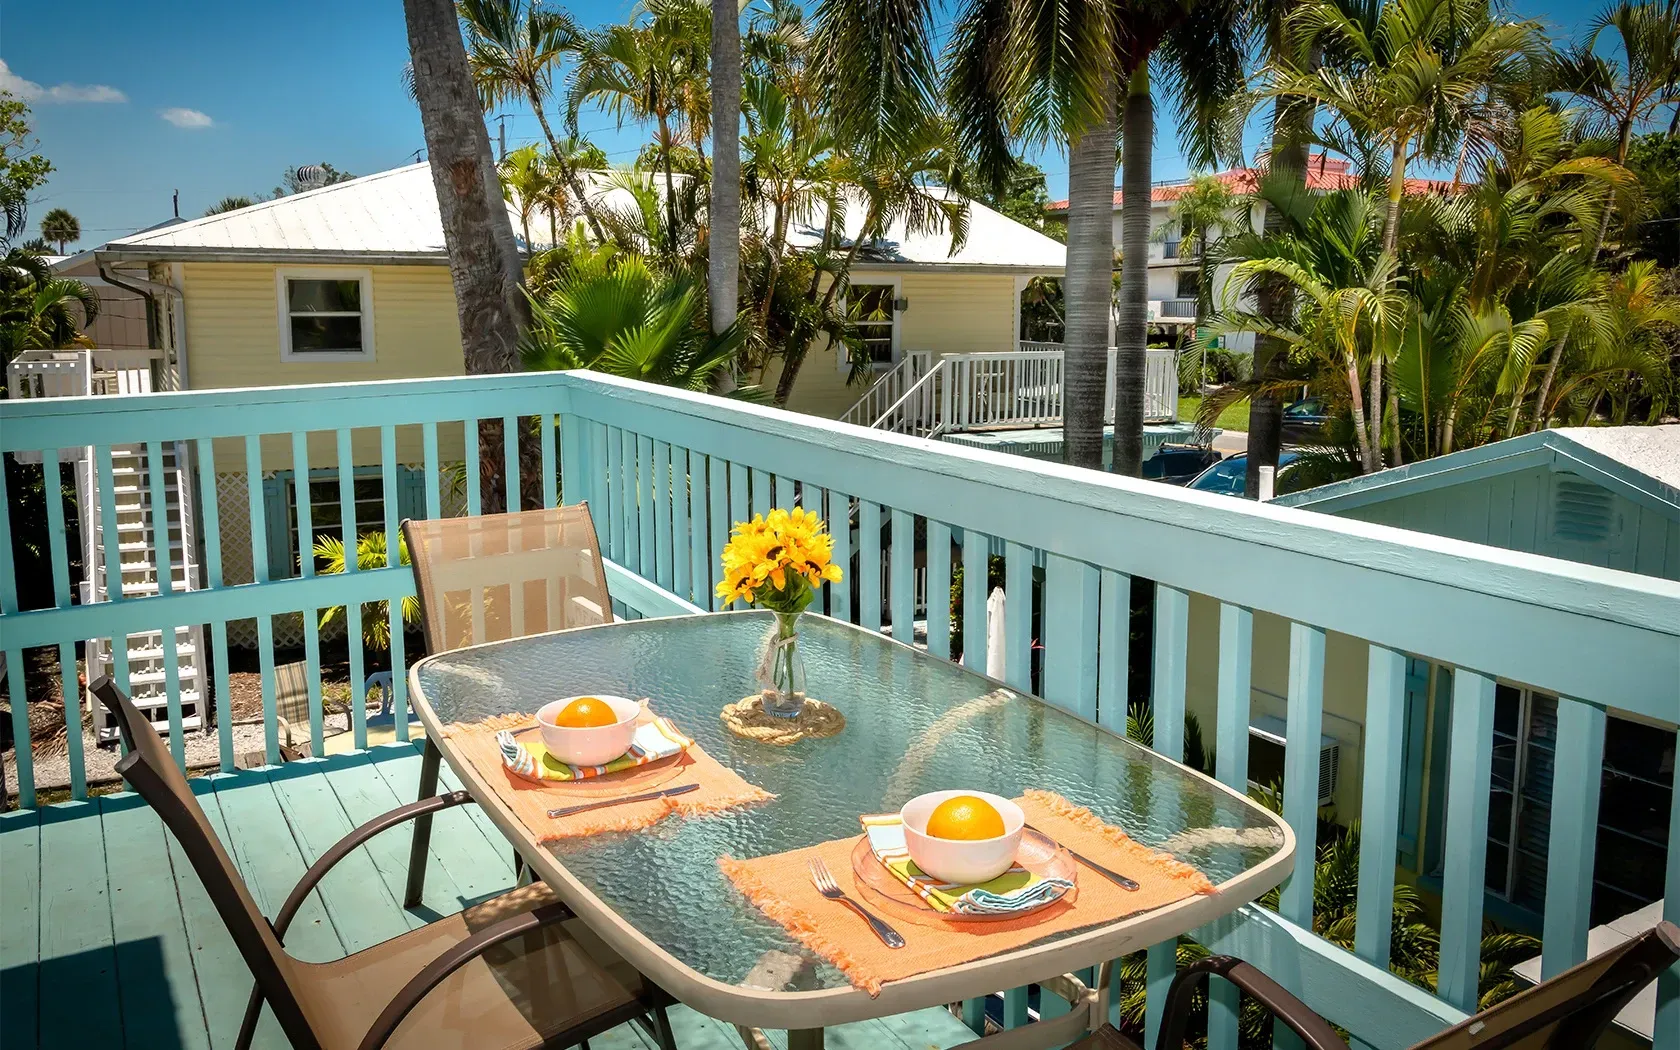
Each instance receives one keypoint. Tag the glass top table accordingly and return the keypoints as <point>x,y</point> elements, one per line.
<point>914,723</point>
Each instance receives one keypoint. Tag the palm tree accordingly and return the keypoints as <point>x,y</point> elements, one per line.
<point>1413,76</point>
<point>615,313</point>
<point>1623,97</point>
<point>513,47</point>
<point>227,204</point>
<point>1200,213</point>
<point>527,184</point>
<point>1350,313</point>
<point>37,311</point>
<point>723,251</point>
<point>370,554</point>
<point>484,263</point>
<point>60,227</point>
<point>1634,342</point>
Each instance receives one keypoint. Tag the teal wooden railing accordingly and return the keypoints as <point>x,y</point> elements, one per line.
<point>667,472</point>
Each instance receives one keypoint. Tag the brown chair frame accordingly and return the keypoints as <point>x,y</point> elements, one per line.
<point>1580,1018</point>
<point>152,773</point>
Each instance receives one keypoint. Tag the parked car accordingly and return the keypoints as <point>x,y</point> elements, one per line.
<point>1303,421</point>
<point>1177,464</point>
<point>1229,477</point>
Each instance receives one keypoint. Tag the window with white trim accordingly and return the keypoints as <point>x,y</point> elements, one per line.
<point>877,321</point>
<point>325,314</point>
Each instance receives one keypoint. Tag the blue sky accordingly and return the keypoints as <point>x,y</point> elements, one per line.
<point>213,99</point>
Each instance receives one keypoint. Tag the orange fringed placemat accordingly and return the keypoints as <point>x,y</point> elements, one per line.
<point>780,885</point>
<point>720,787</point>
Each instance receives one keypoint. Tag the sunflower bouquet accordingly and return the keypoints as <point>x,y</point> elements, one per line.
<point>777,562</point>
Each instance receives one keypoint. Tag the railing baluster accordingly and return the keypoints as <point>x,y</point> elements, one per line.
<point>163,571</point>
<point>1070,635</point>
<point>629,509</point>
<point>699,541</point>
<point>393,520</point>
<point>259,574</point>
<point>1114,633</point>
<point>1304,728</point>
<point>545,436</point>
<point>976,548</point>
<point>1236,661</point>
<point>902,582</point>
<point>1385,731</point>
<point>1167,694</point>
<point>717,489</point>
<point>1574,835</point>
<point>869,564</point>
<point>595,484</point>
<point>784,491</point>
<point>738,497</point>
<point>211,523</point>
<point>678,550</point>
<point>22,757</point>
<point>52,487</point>
<point>347,531</point>
<point>306,569</point>
<point>939,588</point>
<point>647,491</point>
<point>1470,757</point>
<point>111,540</point>
<point>1017,615</point>
<point>474,469</point>
<point>840,527</point>
<point>760,491</point>
<point>663,570</point>
<point>431,465</point>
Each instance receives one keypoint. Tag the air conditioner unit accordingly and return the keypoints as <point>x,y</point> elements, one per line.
<point>1266,761</point>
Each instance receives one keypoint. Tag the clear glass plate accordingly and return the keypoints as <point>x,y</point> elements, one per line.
<point>1038,853</point>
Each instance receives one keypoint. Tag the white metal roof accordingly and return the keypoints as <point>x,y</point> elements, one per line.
<point>393,216</point>
<point>1653,451</point>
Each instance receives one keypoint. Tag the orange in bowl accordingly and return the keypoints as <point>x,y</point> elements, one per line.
<point>586,712</point>
<point>965,817</point>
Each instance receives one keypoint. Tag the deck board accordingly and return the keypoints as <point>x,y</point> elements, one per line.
<point>107,935</point>
<point>20,923</point>
<point>78,976</point>
<point>155,972</point>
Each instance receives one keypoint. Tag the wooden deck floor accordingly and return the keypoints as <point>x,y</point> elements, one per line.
<point>108,939</point>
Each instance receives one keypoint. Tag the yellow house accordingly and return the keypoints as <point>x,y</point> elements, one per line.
<point>350,283</point>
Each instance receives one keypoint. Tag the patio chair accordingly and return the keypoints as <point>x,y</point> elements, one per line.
<point>514,971</point>
<point>1569,1012</point>
<point>493,577</point>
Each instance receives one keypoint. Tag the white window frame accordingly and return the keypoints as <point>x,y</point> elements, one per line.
<point>870,280</point>
<point>317,273</point>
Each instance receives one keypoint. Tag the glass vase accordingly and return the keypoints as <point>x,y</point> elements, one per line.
<point>785,697</point>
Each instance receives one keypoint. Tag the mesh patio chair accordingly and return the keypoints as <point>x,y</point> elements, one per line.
<point>1569,1012</point>
<point>514,971</point>
<point>493,577</point>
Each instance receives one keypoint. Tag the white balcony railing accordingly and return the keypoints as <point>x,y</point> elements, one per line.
<point>666,472</point>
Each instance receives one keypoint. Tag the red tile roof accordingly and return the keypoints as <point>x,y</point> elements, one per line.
<point>1324,174</point>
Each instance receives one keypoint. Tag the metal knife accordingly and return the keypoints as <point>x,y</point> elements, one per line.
<point>566,811</point>
<point>1113,876</point>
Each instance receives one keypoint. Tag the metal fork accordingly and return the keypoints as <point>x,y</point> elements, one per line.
<point>823,880</point>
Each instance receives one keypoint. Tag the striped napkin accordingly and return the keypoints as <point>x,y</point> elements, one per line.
<point>655,739</point>
<point>1016,890</point>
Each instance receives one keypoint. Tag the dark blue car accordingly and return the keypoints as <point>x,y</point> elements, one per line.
<point>1229,477</point>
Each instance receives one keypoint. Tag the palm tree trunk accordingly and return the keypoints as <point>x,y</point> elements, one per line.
<point>1131,328</point>
<point>1360,431</point>
<point>1291,122</point>
<point>1088,287</point>
<point>666,145</point>
<point>567,172</point>
<point>483,257</point>
<point>793,357</point>
<point>723,252</point>
<point>1396,191</point>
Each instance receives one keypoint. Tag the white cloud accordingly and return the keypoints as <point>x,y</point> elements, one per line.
<point>182,117</point>
<point>30,91</point>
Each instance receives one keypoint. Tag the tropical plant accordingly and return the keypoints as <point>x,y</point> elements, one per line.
<point>227,204</point>
<point>514,48</point>
<point>528,184</point>
<point>613,312</point>
<point>723,207</point>
<point>1201,213</point>
<point>60,227</point>
<point>39,313</point>
<point>484,261</point>
<point>370,554</point>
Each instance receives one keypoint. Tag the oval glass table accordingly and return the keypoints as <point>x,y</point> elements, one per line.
<point>914,723</point>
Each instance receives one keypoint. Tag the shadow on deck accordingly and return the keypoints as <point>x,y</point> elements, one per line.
<point>107,938</point>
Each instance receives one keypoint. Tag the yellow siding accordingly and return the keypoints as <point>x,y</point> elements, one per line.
<point>948,313</point>
<point>233,340</point>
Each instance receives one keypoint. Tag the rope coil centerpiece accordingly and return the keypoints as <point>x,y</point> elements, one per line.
<point>776,562</point>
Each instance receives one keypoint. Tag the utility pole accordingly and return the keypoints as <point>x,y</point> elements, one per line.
<point>501,137</point>
<point>177,202</point>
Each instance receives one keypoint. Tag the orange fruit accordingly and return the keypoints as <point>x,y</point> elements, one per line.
<point>586,712</point>
<point>965,817</point>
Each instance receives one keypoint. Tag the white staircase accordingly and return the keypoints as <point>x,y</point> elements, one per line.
<point>134,531</point>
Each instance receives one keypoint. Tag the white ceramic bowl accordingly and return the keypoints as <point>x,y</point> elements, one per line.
<point>961,860</point>
<point>592,746</point>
